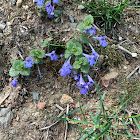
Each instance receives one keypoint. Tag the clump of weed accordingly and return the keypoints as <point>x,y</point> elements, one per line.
<point>113,57</point>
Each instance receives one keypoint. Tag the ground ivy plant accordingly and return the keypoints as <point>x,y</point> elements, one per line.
<point>46,9</point>
<point>80,67</point>
<point>77,63</point>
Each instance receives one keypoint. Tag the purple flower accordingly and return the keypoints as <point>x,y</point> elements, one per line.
<point>40,2</point>
<point>61,55</point>
<point>55,1</point>
<point>14,82</point>
<point>91,82</point>
<point>82,85</point>
<point>65,70</point>
<point>91,30</point>
<point>102,40</point>
<point>91,58</point>
<point>52,55</point>
<point>28,63</point>
<point>50,10</point>
<point>77,77</point>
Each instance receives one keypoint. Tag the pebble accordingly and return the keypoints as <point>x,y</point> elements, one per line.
<point>19,3</point>
<point>13,2</point>
<point>66,99</point>
<point>2,26</point>
<point>120,38</point>
<point>71,19</point>
<point>41,105</point>
<point>6,117</point>
<point>80,7</point>
<point>125,67</point>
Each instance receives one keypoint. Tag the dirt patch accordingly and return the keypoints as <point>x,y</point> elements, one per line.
<point>24,31</point>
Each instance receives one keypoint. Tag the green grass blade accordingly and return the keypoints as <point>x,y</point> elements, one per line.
<point>87,134</point>
<point>125,103</point>
<point>137,124</point>
<point>104,131</point>
<point>107,136</point>
<point>123,135</point>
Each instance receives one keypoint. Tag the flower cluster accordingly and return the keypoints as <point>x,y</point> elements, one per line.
<point>91,31</point>
<point>49,7</point>
<point>102,40</point>
<point>91,58</point>
<point>83,86</point>
<point>66,68</point>
<point>30,62</point>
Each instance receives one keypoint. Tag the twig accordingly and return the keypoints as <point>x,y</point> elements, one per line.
<point>61,113</point>
<point>58,106</point>
<point>67,111</point>
<point>125,50</point>
<point>132,72</point>
<point>36,84</point>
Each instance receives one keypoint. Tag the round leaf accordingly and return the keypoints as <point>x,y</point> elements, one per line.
<point>85,68</point>
<point>76,65</point>
<point>13,72</point>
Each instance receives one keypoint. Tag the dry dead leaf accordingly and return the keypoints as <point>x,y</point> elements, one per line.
<point>106,79</point>
<point>41,105</point>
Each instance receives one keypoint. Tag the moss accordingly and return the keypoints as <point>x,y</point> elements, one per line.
<point>113,56</point>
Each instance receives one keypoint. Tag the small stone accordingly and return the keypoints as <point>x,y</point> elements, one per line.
<point>66,99</point>
<point>120,38</point>
<point>2,26</point>
<point>127,62</point>
<point>13,2</point>
<point>80,7</point>
<point>71,19</point>
<point>41,105</point>
<point>6,117</point>
<point>19,3</point>
<point>125,67</point>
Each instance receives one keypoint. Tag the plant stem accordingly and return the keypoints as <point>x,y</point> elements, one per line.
<point>81,108</point>
<point>58,45</point>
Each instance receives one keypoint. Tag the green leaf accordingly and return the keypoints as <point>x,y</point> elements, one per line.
<point>78,44</point>
<point>88,27</point>
<point>85,40</point>
<point>13,72</point>
<point>81,27</point>
<point>88,20</point>
<point>85,68</point>
<point>70,45</point>
<point>67,54</point>
<point>57,12</point>
<point>37,53</point>
<point>45,43</point>
<point>77,51</point>
<point>76,65</point>
<point>39,7</point>
<point>17,63</point>
<point>83,60</point>
<point>26,72</point>
<point>78,57</point>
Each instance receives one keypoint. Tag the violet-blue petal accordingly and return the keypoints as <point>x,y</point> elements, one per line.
<point>91,82</point>
<point>29,62</point>
<point>91,30</point>
<point>55,1</point>
<point>14,82</point>
<point>52,55</point>
<point>83,91</point>
<point>40,2</point>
